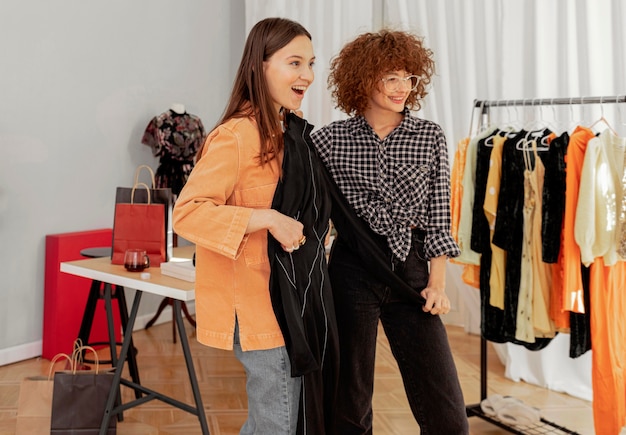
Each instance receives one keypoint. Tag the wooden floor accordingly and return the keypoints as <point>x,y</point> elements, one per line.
<point>222,384</point>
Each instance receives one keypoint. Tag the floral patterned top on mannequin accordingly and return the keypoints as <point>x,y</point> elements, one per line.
<point>175,138</point>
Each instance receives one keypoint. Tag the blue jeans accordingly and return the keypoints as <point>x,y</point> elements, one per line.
<point>418,341</point>
<point>273,395</point>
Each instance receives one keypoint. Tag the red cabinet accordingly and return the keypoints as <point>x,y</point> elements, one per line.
<point>65,295</point>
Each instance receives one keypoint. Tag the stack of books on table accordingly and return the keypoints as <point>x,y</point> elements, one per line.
<point>181,268</point>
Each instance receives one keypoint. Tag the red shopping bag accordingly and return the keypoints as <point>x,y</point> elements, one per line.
<point>139,226</point>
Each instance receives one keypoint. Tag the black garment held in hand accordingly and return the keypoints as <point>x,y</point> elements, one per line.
<point>299,285</point>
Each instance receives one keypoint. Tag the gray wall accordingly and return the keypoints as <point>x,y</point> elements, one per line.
<point>79,81</point>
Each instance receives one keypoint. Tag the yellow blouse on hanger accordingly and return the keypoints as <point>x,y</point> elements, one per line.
<point>490,206</point>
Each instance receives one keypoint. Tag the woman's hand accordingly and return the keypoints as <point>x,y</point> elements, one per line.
<point>286,230</point>
<point>437,301</point>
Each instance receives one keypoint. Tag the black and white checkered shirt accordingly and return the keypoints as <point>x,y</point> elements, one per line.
<point>395,184</point>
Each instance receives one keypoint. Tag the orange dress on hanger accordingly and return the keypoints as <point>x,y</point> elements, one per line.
<point>601,189</point>
<point>608,335</point>
<point>572,286</point>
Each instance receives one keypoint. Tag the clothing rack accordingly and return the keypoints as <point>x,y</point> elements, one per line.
<point>485,105</point>
<point>474,410</point>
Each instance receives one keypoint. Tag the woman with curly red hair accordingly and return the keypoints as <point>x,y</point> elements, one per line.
<point>393,170</point>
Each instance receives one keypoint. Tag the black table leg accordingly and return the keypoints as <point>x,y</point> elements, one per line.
<point>149,394</point>
<point>132,358</point>
<point>190,368</point>
<point>117,377</point>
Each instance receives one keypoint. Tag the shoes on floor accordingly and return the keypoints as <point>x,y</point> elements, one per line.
<point>510,410</point>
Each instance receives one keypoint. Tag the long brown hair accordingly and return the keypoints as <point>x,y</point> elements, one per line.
<point>250,94</point>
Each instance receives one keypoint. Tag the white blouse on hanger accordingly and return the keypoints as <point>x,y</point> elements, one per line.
<point>600,193</point>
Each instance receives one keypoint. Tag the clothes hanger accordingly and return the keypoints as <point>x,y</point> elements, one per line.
<point>535,129</point>
<point>472,118</point>
<point>505,129</point>
<point>523,144</point>
<point>552,125</point>
<point>517,123</point>
<point>481,124</point>
<point>572,123</point>
<point>621,119</point>
<point>514,125</point>
<point>602,120</point>
<point>488,141</point>
<point>558,124</point>
<point>543,143</point>
<point>531,138</point>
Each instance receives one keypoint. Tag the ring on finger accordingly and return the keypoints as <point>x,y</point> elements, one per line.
<point>295,248</point>
<point>302,241</point>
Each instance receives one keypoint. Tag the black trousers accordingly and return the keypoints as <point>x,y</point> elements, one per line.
<point>418,340</point>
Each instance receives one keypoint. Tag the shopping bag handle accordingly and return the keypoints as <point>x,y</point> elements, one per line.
<point>132,193</point>
<point>78,354</point>
<point>74,359</point>
<point>138,171</point>
<point>57,357</point>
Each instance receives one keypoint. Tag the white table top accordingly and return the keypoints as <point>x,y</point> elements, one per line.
<point>101,269</point>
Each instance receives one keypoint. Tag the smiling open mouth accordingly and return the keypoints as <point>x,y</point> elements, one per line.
<point>299,89</point>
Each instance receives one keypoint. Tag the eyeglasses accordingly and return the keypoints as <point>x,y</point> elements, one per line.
<point>393,83</point>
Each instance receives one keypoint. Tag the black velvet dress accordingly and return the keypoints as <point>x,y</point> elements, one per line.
<point>551,224</point>
<point>553,198</point>
<point>508,235</point>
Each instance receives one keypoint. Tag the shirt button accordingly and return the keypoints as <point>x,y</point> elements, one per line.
<point>387,200</point>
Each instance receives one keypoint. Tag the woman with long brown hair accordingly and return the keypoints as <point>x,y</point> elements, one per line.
<point>225,209</point>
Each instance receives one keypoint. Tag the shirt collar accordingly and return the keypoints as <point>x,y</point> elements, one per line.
<point>409,123</point>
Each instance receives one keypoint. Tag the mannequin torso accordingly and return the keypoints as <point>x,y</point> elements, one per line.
<point>178,108</point>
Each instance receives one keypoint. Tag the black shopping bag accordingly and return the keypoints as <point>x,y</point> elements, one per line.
<point>79,400</point>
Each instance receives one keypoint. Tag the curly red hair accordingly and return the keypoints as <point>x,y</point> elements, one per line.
<point>356,71</point>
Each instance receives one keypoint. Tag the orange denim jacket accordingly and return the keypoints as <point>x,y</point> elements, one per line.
<point>232,268</point>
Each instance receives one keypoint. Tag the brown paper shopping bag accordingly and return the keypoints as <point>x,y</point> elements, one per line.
<point>35,402</point>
